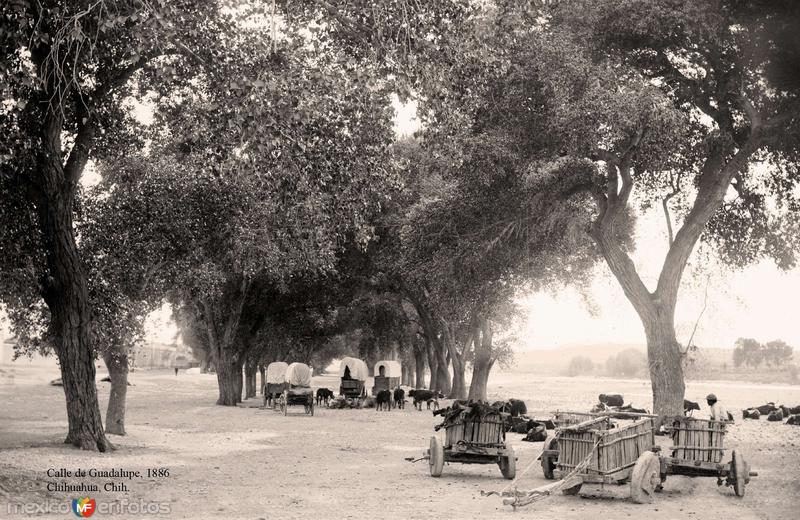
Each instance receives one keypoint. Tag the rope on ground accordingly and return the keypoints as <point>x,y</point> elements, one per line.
<point>524,498</point>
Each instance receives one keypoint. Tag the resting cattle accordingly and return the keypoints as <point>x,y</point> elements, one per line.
<point>611,399</point>
<point>775,415</point>
<point>794,410</point>
<point>425,396</point>
<point>383,398</point>
<point>399,398</point>
<point>630,409</point>
<point>689,406</point>
<point>794,420</point>
<point>324,396</point>
<point>764,409</point>
<point>536,434</point>
<point>520,425</point>
<point>751,414</point>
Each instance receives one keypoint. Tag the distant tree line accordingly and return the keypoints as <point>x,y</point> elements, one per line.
<point>749,352</point>
<point>628,363</point>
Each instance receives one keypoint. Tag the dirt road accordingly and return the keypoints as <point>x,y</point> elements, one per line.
<point>248,463</point>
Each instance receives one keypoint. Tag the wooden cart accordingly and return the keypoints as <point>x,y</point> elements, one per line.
<point>562,419</point>
<point>591,452</point>
<point>297,396</point>
<point>473,440</point>
<point>275,383</point>
<point>297,389</point>
<point>697,451</point>
<point>387,376</point>
<point>353,373</point>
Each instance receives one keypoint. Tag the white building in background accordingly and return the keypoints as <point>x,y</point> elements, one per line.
<point>154,354</point>
<point>151,354</point>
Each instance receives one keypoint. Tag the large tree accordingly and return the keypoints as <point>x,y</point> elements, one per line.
<point>729,70</point>
<point>65,69</point>
<point>684,115</point>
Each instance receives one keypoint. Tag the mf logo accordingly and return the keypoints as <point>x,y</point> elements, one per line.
<point>83,507</point>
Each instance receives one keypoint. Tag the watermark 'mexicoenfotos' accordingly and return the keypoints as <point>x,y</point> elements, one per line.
<point>85,507</point>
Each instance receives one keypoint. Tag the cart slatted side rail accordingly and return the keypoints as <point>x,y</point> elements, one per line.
<point>485,431</point>
<point>569,418</point>
<point>610,450</point>
<point>698,439</point>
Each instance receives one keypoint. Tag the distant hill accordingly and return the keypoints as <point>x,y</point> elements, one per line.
<point>546,360</point>
<point>553,361</point>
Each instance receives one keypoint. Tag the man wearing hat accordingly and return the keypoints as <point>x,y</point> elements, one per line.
<point>718,412</point>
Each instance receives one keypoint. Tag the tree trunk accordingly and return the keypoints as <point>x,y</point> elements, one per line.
<point>459,389</point>
<point>239,375</point>
<point>204,365</point>
<point>483,363</point>
<point>66,295</point>
<point>116,361</point>
<point>443,384</point>
<point>448,339</point>
<point>419,361</point>
<point>433,363</point>
<point>251,369</point>
<point>229,379</point>
<point>263,371</point>
<point>665,361</point>
<point>480,379</point>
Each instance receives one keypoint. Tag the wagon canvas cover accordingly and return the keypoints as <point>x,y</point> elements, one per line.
<point>393,368</point>
<point>358,369</point>
<point>298,374</point>
<point>276,372</point>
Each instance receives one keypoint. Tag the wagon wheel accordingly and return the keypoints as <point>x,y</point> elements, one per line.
<point>436,460</point>
<point>549,462</point>
<point>645,477</point>
<point>508,465</point>
<point>740,473</point>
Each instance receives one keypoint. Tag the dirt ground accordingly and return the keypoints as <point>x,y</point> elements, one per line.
<point>247,463</point>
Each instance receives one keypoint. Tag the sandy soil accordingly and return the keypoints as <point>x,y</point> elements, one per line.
<point>248,463</point>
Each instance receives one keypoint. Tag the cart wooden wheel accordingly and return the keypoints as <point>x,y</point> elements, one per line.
<point>436,460</point>
<point>740,473</point>
<point>508,465</point>
<point>645,477</point>
<point>549,462</point>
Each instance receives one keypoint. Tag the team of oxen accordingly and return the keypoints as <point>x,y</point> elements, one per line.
<point>534,429</point>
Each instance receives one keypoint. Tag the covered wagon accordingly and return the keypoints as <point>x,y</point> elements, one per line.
<point>297,389</point>
<point>353,373</point>
<point>387,375</point>
<point>275,381</point>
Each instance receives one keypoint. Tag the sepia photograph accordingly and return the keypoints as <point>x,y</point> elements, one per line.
<point>400,259</point>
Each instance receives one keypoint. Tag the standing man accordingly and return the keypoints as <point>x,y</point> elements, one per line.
<point>718,411</point>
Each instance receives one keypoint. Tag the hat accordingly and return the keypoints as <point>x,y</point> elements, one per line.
<point>711,397</point>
